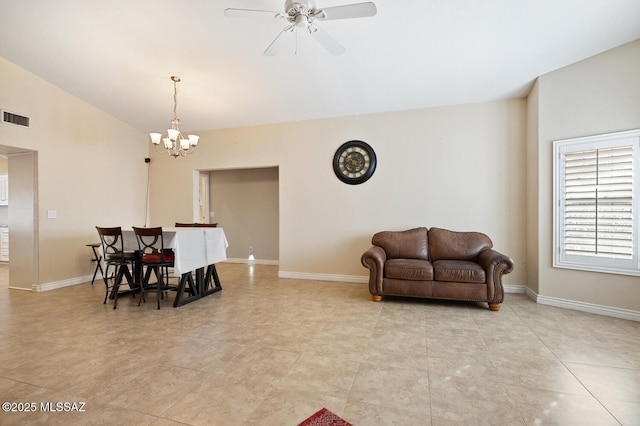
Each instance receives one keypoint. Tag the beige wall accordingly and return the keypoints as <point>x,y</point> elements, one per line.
<point>245,204</point>
<point>90,170</point>
<point>460,167</point>
<point>597,95</point>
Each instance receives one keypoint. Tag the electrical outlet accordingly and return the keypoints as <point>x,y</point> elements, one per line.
<point>250,249</point>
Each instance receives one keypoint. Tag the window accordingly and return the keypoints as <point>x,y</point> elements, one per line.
<point>596,207</point>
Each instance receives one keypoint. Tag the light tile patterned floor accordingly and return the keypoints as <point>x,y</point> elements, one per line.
<point>270,351</point>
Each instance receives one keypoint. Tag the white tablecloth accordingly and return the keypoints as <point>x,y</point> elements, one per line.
<point>193,247</point>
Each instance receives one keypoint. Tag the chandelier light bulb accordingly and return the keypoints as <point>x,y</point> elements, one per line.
<point>173,134</point>
<point>155,138</point>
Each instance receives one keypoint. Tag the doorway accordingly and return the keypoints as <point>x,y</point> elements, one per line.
<point>22,216</point>
<point>245,202</point>
<point>204,215</point>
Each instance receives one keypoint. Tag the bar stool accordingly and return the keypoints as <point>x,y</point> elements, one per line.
<point>156,258</point>
<point>114,255</point>
<point>96,258</point>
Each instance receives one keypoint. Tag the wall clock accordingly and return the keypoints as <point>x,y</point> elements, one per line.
<point>354,162</point>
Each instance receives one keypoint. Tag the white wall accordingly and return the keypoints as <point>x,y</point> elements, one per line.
<point>460,167</point>
<point>598,95</point>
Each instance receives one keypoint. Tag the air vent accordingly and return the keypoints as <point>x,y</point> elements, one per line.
<point>18,120</point>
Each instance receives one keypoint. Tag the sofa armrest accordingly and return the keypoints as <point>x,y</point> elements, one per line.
<point>490,259</point>
<point>495,265</point>
<point>374,259</point>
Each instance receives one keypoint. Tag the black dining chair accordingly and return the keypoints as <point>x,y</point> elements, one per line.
<point>113,254</point>
<point>154,257</point>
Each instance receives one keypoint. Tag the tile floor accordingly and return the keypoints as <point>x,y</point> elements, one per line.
<point>270,351</point>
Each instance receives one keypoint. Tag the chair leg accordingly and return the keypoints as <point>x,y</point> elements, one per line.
<point>127,276</point>
<point>116,285</point>
<point>144,284</point>
<point>106,293</point>
<point>166,276</point>
<point>160,284</point>
<point>105,278</point>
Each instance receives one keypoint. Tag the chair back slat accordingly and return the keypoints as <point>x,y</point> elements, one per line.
<point>151,245</point>
<point>111,240</point>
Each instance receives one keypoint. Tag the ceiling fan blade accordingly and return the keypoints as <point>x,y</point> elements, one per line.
<point>247,13</point>
<point>280,41</point>
<point>326,41</point>
<point>357,10</point>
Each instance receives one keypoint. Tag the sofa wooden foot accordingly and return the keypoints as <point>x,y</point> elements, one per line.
<point>495,306</point>
<point>376,297</point>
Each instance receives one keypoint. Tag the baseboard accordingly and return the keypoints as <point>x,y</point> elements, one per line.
<point>64,283</point>
<point>514,288</point>
<point>323,277</point>
<point>252,262</point>
<point>591,308</point>
<point>20,288</point>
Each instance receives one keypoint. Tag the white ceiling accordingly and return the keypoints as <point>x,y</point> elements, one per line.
<point>119,54</point>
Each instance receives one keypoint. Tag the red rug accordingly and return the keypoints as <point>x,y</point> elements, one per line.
<point>325,417</point>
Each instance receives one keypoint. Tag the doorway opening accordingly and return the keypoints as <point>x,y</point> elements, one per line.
<point>21,271</point>
<point>245,202</point>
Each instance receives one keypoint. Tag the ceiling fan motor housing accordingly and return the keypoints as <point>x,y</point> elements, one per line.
<point>291,6</point>
<point>298,12</point>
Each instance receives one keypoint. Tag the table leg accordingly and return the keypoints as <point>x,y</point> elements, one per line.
<point>211,283</point>
<point>200,281</point>
<point>205,283</point>
<point>186,280</point>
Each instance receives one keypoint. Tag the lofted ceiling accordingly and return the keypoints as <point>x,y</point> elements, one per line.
<point>118,55</point>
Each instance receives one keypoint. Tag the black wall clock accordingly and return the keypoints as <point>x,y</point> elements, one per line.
<point>354,162</point>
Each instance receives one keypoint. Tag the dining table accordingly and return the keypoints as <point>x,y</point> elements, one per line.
<point>196,252</point>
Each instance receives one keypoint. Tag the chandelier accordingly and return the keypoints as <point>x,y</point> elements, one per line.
<point>174,143</point>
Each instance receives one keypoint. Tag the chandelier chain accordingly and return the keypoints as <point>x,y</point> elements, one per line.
<point>175,100</point>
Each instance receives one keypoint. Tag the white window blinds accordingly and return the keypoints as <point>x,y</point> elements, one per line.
<point>596,220</point>
<point>599,202</point>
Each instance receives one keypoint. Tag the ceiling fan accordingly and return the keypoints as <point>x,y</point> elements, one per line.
<point>302,14</point>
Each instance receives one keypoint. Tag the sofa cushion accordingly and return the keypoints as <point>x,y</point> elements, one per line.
<point>462,271</point>
<point>411,244</point>
<point>450,245</point>
<point>408,269</point>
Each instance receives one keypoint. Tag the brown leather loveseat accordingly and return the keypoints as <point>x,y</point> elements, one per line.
<point>436,263</point>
